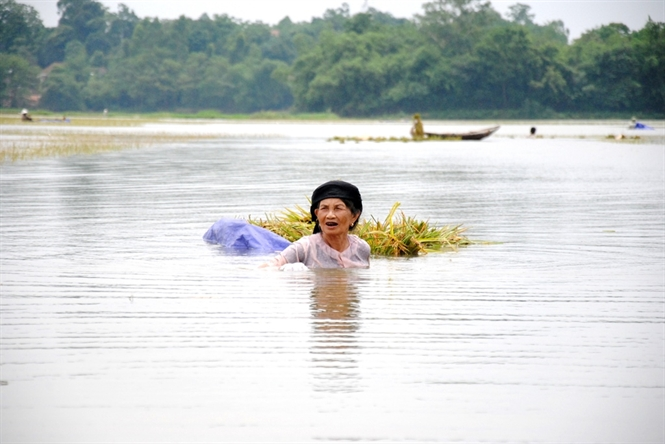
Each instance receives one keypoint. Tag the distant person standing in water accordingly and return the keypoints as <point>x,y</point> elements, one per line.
<point>25,117</point>
<point>417,130</point>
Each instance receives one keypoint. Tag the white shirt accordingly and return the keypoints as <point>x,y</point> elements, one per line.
<point>314,252</point>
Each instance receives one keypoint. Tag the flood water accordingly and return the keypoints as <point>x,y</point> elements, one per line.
<point>120,324</point>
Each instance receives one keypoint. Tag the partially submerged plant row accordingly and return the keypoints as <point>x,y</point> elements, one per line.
<point>36,144</point>
<point>341,139</point>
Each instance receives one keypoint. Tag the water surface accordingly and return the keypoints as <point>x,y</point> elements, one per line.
<point>120,324</point>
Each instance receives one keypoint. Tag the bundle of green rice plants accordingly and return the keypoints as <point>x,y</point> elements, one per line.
<point>291,224</point>
<point>397,235</point>
<point>400,235</point>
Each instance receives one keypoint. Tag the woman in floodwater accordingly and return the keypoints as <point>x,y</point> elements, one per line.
<point>336,208</point>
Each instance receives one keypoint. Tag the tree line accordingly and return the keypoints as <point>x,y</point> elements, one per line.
<point>456,56</point>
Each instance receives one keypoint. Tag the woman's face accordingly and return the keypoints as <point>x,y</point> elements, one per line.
<point>334,216</point>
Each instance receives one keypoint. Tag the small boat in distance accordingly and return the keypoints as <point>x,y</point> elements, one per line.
<point>472,135</point>
<point>418,135</point>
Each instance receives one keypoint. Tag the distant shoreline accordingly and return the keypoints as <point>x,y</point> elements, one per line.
<point>210,115</point>
<point>54,135</point>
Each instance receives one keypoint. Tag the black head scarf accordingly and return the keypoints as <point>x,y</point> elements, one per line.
<point>338,189</point>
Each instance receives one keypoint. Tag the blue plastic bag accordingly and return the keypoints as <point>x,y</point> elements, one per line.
<point>240,235</point>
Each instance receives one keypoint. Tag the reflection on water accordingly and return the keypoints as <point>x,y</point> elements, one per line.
<point>119,323</point>
<point>335,312</point>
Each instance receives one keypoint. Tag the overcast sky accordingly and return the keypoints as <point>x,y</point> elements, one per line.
<point>578,15</point>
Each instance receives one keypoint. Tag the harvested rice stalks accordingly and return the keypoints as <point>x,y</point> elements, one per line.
<point>397,235</point>
<point>292,224</point>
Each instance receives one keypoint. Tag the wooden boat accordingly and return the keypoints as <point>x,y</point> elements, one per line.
<point>473,135</point>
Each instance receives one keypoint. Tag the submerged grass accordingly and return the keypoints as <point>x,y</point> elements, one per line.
<point>341,139</point>
<point>397,235</point>
<point>35,144</point>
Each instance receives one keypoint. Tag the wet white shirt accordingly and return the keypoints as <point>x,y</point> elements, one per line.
<point>314,252</point>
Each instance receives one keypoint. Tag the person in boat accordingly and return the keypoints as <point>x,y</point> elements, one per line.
<point>336,208</point>
<point>25,117</point>
<point>417,130</point>
<point>634,124</point>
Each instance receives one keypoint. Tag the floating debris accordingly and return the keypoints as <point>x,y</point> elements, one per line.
<point>623,137</point>
<point>372,139</point>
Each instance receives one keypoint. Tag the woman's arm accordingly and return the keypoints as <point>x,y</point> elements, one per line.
<point>296,252</point>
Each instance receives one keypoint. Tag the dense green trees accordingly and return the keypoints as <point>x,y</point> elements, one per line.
<point>649,45</point>
<point>457,25</point>
<point>21,29</point>
<point>620,70</point>
<point>456,55</point>
<point>361,72</point>
<point>19,78</point>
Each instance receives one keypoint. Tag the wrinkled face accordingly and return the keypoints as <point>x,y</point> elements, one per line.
<point>334,216</point>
